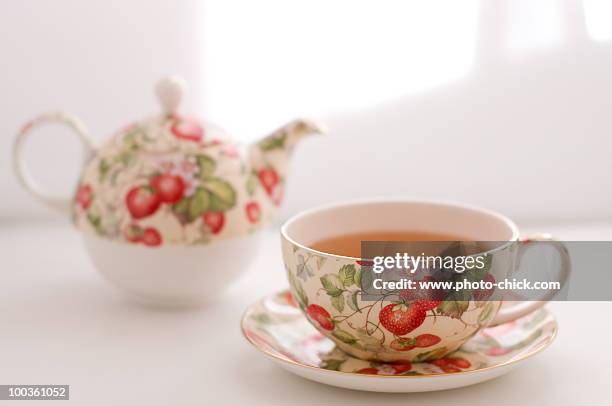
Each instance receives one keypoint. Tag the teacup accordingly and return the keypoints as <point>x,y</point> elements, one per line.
<point>327,286</point>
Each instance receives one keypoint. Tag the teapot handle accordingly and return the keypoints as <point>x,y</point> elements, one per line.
<point>60,203</point>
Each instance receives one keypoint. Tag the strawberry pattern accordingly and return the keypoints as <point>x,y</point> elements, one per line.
<point>275,325</point>
<point>400,325</point>
<point>175,180</point>
<point>84,196</point>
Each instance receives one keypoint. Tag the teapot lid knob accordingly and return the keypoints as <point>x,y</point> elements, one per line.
<point>169,91</point>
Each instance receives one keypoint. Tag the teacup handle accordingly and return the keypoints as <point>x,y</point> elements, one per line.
<point>521,309</point>
<point>60,203</point>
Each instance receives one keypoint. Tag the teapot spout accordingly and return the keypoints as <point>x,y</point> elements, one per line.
<point>288,135</point>
<point>269,156</point>
<point>278,146</point>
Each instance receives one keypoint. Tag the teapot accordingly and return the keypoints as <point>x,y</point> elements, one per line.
<point>170,206</point>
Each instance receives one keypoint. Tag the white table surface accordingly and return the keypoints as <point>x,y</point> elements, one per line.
<point>62,324</point>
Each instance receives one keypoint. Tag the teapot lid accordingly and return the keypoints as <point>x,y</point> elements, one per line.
<point>171,130</point>
<point>169,91</point>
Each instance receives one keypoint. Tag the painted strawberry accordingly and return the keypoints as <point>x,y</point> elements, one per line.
<point>387,369</point>
<point>320,316</point>
<point>426,298</point>
<point>170,188</point>
<point>291,300</point>
<point>84,196</point>
<point>484,294</point>
<point>497,351</point>
<point>403,344</point>
<point>269,179</point>
<point>442,362</point>
<point>401,319</point>
<point>409,295</point>
<point>187,129</point>
<point>214,221</point>
<point>452,364</point>
<point>253,212</point>
<point>401,367</point>
<point>368,371</point>
<point>427,305</point>
<point>231,151</point>
<point>421,341</point>
<point>142,201</point>
<point>459,362</point>
<point>427,340</point>
<point>278,195</point>
<point>151,237</point>
<point>445,366</point>
<point>133,233</point>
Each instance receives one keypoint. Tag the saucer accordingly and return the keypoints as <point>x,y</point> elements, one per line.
<point>276,327</point>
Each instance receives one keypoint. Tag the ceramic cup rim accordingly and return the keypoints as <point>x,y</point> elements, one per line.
<point>442,204</point>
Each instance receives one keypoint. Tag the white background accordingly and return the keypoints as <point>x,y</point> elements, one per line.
<point>504,104</point>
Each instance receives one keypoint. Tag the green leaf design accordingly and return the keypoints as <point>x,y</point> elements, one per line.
<point>430,355</point>
<point>181,210</point>
<point>298,289</point>
<point>357,278</point>
<point>251,183</point>
<point>354,302</point>
<point>182,206</point>
<point>273,142</point>
<point>199,203</point>
<point>291,277</point>
<point>366,279</point>
<point>216,204</point>
<point>124,158</point>
<point>347,274</point>
<point>206,164</point>
<point>331,283</point>
<point>96,222</point>
<point>344,336</point>
<point>130,138</point>
<point>525,342</point>
<point>103,168</point>
<point>134,232</point>
<point>222,194</point>
<point>302,298</point>
<point>351,300</point>
<point>320,262</point>
<point>202,241</point>
<point>262,318</point>
<point>351,303</point>
<point>486,312</point>
<point>368,341</point>
<point>453,308</point>
<point>474,274</point>
<point>338,302</point>
<point>332,364</point>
